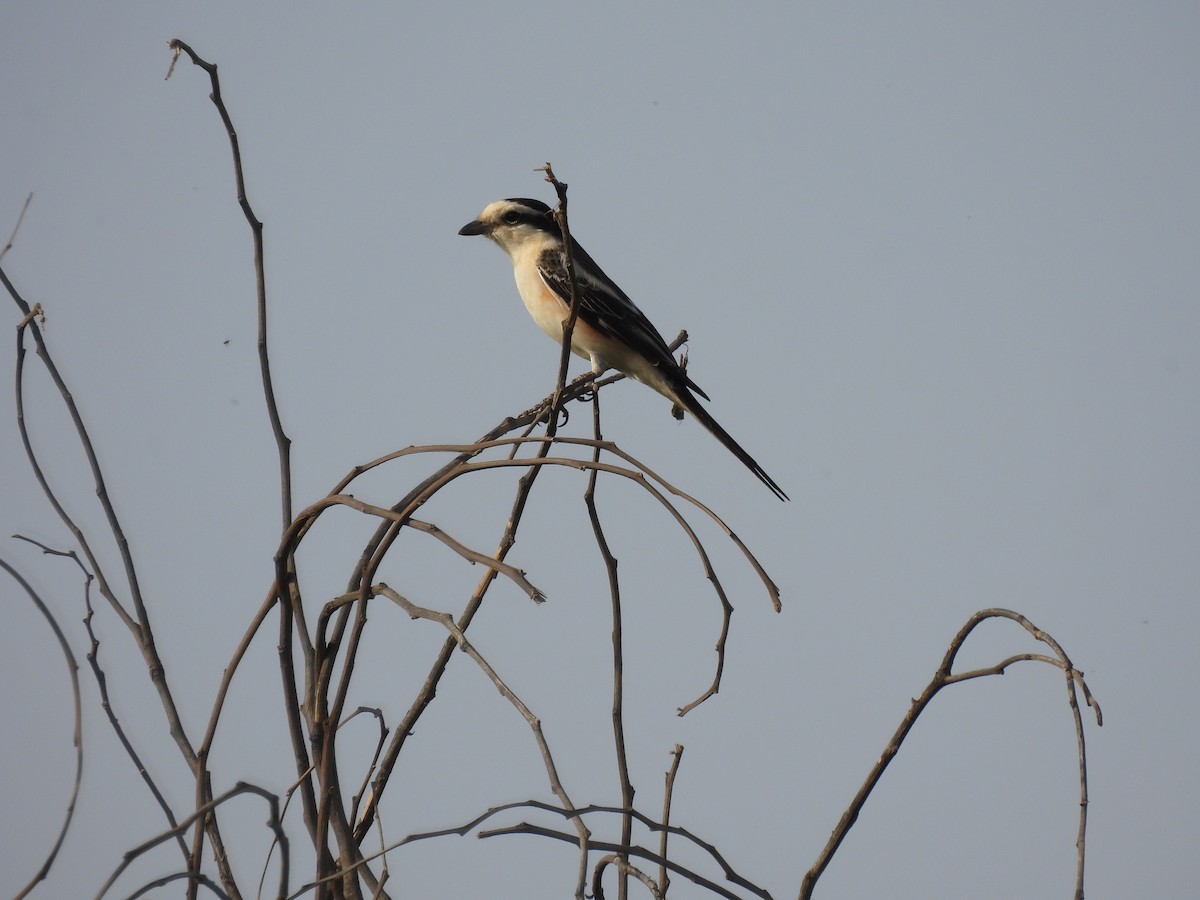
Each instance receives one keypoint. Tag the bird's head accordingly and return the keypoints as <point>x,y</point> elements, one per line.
<point>515,223</point>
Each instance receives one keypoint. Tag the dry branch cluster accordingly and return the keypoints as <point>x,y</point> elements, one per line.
<point>319,645</point>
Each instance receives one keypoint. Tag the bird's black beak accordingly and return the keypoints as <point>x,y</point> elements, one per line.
<point>475,227</point>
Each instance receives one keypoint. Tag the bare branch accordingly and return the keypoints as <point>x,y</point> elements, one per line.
<point>17,227</point>
<point>618,713</point>
<point>202,812</point>
<point>568,329</point>
<point>676,757</point>
<point>137,623</point>
<point>535,724</point>
<point>624,869</point>
<point>283,442</point>
<point>106,702</point>
<point>942,677</point>
<point>73,675</point>
<point>193,878</point>
<point>291,612</point>
<point>640,852</point>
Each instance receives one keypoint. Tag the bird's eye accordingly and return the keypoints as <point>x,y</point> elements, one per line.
<point>512,217</point>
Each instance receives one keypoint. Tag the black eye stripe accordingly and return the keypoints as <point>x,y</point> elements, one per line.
<point>533,213</point>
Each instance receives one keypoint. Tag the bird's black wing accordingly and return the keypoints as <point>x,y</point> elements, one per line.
<point>608,309</point>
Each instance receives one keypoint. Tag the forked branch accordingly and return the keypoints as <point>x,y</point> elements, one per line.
<point>942,678</point>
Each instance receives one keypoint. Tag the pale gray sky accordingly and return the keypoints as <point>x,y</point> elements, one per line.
<point>939,266</point>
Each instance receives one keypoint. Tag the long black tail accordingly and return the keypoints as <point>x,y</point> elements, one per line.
<point>687,401</point>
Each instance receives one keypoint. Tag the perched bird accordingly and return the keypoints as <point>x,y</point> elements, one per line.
<point>610,330</point>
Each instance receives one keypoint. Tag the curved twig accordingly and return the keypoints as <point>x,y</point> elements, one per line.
<point>624,869</point>
<point>729,873</point>
<point>73,675</point>
<point>304,520</point>
<point>447,621</point>
<point>106,702</point>
<point>137,623</point>
<point>941,678</point>
<point>635,850</point>
<point>425,696</point>
<point>202,812</point>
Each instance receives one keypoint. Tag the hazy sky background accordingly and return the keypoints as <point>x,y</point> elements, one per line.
<point>940,265</point>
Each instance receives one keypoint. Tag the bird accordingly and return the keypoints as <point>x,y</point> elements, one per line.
<point>610,331</point>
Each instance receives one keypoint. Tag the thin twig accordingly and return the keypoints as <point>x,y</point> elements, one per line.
<point>302,522</point>
<point>291,609</point>
<point>447,621</point>
<point>17,227</point>
<point>197,878</point>
<point>387,532</point>
<point>201,813</point>
<point>941,678</point>
<point>137,622</point>
<point>106,701</point>
<point>455,470</point>
<point>282,441</point>
<point>731,875</point>
<point>73,674</point>
<point>568,328</point>
<point>664,882</point>
<point>640,852</point>
<point>618,689</point>
<point>425,696</point>
<point>624,870</point>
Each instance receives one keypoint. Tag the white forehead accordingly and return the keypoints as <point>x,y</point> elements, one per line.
<point>495,210</point>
